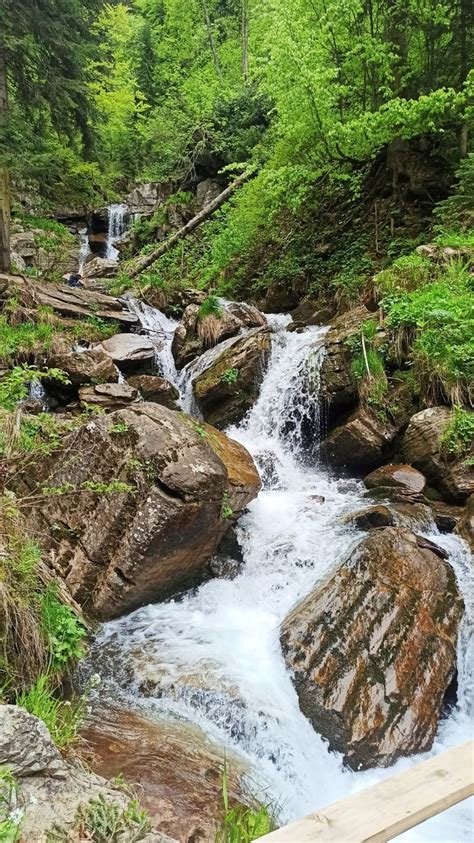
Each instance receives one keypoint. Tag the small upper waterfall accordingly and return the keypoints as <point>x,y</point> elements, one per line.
<point>84,247</point>
<point>116,229</point>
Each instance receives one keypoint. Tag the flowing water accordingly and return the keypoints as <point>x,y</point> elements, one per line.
<point>213,658</point>
<point>116,230</point>
<point>84,248</point>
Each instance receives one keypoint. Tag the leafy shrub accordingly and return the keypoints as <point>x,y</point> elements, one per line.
<point>63,630</point>
<point>9,825</point>
<point>103,821</point>
<point>18,341</point>
<point>456,213</point>
<point>210,307</point>
<point>435,323</point>
<point>407,273</point>
<point>14,386</point>
<point>458,438</point>
<point>230,376</point>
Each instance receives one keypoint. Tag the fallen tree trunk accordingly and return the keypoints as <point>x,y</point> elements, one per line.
<point>143,262</point>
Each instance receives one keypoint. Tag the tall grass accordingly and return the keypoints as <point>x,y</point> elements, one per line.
<point>240,823</point>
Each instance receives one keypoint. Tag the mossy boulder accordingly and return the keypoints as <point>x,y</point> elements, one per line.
<point>228,388</point>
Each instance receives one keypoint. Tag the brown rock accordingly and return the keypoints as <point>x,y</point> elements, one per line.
<point>404,478</point>
<point>422,447</point>
<point>156,389</point>
<point>123,549</point>
<point>371,517</point>
<point>90,366</point>
<point>100,268</point>
<point>194,335</point>
<point>465,526</point>
<point>110,396</point>
<point>362,442</point>
<point>224,399</point>
<point>446,515</point>
<point>248,315</point>
<point>129,351</point>
<point>374,649</point>
<point>337,384</point>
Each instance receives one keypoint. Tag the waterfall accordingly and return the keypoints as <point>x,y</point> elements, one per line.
<point>161,330</point>
<point>116,229</point>
<point>213,657</point>
<point>84,248</point>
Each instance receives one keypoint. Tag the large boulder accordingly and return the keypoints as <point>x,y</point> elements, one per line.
<point>227,389</point>
<point>194,334</point>
<point>465,525</point>
<point>373,650</point>
<point>187,484</point>
<point>422,447</point>
<point>130,352</point>
<point>360,443</point>
<point>82,367</point>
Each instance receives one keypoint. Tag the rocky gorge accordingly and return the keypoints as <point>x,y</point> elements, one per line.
<point>271,560</point>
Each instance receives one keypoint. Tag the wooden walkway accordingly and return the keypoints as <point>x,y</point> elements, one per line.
<point>392,806</point>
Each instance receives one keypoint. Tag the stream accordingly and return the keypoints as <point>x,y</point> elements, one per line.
<point>213,658</point>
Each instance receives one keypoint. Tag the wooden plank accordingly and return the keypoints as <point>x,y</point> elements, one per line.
<point>392,806</point>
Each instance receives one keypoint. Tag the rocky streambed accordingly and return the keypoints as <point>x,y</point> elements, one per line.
<point>336,639</point>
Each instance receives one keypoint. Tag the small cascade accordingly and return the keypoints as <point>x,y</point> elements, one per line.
<point>160,329</point>
<point>84,248</point>
<point>37,392</point>
<point>116,229</point>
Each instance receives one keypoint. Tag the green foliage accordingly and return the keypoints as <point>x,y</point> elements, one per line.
<point>94,329</point>
<point>62,718</point>
<point>230,376</point>
<point>19,341</point>
<point>63,630</point>
<point>436,324</point>
<point>456,214</point>
<point>119,427</point>
<point>458,438</point>
<point>242,824</point>
<point>226,509</point>
<point>9,824</point>
<point>104,821</point>
<point>210,307</point>
<point>407,273</point>
<point>15,384</point>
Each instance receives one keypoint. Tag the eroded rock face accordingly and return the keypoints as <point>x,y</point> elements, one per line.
<point>118,551</point>
<point>404,478</point>
<point>362,442</point>
<point>228,388</point>
<point>422,448</point>
<point>371,517</point>
<point>465,526</point>
<point>109,396</point>
<point>156,389</point>
<point>91,366</point>
<point>100,268</point>
<point>373,650</point>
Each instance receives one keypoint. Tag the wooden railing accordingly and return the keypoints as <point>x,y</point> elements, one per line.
<point>392,806</point>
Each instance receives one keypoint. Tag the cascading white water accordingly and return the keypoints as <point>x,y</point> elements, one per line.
<point>84,248</point>
<point>161,331</point>
<point>116,229</point>
<point>214,657</point>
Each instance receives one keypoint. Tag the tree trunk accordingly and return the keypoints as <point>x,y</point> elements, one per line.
<point>143,262</point>
<point>245,39</point>
<point>4,175</point>
<point>212,43</point>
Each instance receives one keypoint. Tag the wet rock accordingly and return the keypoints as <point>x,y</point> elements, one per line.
<point>362,442</point>
<point>446,516</point>
<point>50,788</point>
<point>194,335</point>
<point>100,268</point>
<point>404,478</point>
<point>422,447</point>
<point>109,396</point>
<point>187,485</point>
<point>373,650</point>
<point>229,387</point>
<point>371,517</point>
<point>83,367</point>
<point>228,559</point>
<point>130,352</point>
<point>248,315</point>
<point>178,770</point>
<point>415,515</point>
<point>311,313</point>
<point>465,526</point>
<point>337,384</point>
<point>155,389</point>
<point>145,198</point>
